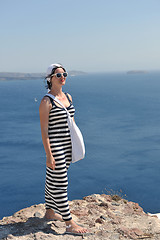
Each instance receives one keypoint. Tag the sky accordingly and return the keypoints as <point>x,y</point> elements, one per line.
<point>84,35</point>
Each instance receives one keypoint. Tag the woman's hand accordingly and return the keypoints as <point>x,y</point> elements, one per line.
<point>50,162</point>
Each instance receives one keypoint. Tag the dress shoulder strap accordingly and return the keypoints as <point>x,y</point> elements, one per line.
<point>68,97</point>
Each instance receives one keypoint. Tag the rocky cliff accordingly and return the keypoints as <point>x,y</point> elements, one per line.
<point>107,217</point>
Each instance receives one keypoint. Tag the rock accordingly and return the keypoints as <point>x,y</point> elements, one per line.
<point>80,212</point>
<point>116,220</point>
<point>91,198</point>
<point>37,214</point>
<point>108,198</point>
<point>104,204</point>
<point>103,217</point>
<point>133,208</point>
<point>106,218</point>
<point>134,233</point>
<point>99,220</point>
<point>115,204</point>
<point>116,198</point>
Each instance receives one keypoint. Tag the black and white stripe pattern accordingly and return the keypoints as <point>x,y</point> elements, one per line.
<point>60,142</point>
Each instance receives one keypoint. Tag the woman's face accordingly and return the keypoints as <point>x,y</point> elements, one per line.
<point>58,81</point>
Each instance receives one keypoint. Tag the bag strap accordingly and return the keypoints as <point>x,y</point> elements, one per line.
<point>57,100</point>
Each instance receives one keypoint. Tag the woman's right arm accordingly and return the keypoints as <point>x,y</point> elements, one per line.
<point>44,110</point>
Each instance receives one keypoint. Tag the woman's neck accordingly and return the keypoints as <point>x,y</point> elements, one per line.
<point>57,92</point>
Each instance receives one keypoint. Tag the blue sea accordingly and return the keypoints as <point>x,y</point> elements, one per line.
<point>119,116</point>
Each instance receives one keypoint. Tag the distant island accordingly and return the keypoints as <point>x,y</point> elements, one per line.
<point>137,72</point>
<point>76,73</point>
<point>4,76</point>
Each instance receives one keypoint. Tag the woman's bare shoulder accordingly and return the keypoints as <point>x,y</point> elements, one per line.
<point>46,99</point>
<point>45,103</point>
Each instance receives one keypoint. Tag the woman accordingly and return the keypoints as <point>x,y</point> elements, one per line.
<point>57,144</point>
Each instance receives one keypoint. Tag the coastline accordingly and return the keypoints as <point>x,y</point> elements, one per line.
<point>10,76</point>
<point>106,216</point>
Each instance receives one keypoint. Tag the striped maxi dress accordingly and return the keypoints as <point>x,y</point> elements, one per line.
<point>56,197</point>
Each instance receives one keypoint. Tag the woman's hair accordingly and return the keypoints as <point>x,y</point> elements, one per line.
<point>49,84</point>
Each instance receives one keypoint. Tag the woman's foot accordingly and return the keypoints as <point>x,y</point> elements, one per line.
<point>52,216</point>
<point>75,229</point>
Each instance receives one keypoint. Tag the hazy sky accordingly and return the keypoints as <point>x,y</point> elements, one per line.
<point>87,35</point>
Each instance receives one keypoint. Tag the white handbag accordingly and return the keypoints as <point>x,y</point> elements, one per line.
<point>78,147</point>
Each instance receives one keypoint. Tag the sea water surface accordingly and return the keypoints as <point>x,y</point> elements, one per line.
<point>119,116</point>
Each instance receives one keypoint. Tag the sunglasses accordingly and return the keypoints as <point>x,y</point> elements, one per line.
<point>59,75</point>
